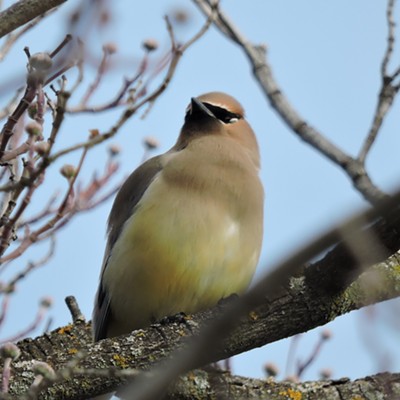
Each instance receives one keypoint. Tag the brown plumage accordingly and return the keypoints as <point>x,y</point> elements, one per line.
<point>186,227</point>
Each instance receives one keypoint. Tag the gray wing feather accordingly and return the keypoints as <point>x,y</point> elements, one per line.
<point>124,206</point>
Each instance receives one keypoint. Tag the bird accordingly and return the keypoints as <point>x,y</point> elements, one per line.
<point>186,227</point>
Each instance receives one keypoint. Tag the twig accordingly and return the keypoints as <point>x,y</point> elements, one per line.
<point>10,286</point>
<point>44,305</point>
<point>61,71</point>
<point>79,65</point>
<point>74,309</point>
<point>302,366</point>
<point>131,110</point>
<point>39,65</point>
<point>99,75</point>
<point>391,38</point>
<point>47,210</point>
<point>388,90</point>
<point>84,201</point>
<point>12,104</point>
<point>6,375</point>
<point>10,223</point>
<point>294,342</point>
<point>4,308</point>
<point>8,127</point>
<point>12,154</point>
<point>31,179</point>
<point>49,225</point>
<point>65,41</point>
<point>62,98</point>
<point>127,83</point>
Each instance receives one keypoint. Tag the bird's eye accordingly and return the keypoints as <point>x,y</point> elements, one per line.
<point>225,116</point>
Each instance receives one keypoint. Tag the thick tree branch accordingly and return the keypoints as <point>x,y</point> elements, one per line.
<point>24,11</point>
<point>296,309</point>
<point>201,385</point>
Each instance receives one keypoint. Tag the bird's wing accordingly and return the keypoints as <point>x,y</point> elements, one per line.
<point>123,208</point>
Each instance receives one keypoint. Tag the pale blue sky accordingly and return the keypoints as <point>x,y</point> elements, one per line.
<point>326,57</point>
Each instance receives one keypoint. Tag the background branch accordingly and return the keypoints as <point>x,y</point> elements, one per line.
<point>24,11</point>
<point>263,74</point>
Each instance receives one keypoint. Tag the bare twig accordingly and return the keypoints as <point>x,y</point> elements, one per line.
<point>6,375</point>
<point>49,225</point>
<point>65,41</point>
<point>84,200</point>
<point>79,64</point>
<point>294,343</point>
<point>126,85</point>
<point>47,160</point>
<point>10,223</point>
<point>12,154</point>
<point>38,67</point>
<point>30,179</point>
<point>131,110</point>
<point>11,105</point>
<point>302,366</point>
<point>170,59</point>
<point>47,210</point>
<point>388,89</point>
<point>74,309</point>
<point>8,127</point>
<point>44,305</point>
<point>4,308</point>
<point>65,205</point>
<point>100,73</point>
<point>62,98</point>
<point>391,37</point>
<point>10,286</point>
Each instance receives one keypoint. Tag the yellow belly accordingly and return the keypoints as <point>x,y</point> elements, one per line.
<point>171,258</point>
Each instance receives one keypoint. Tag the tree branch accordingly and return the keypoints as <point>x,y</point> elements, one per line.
<point>201,384</point>
<point>388,89</point>
<point>287,314</point>
<point>24,11</point>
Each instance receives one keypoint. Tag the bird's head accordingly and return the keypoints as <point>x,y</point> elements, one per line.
<point>218,113</point>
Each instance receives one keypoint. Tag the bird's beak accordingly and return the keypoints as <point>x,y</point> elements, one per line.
<point>199,109</point>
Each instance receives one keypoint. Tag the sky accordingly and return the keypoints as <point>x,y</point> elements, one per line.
<point>326,57</point>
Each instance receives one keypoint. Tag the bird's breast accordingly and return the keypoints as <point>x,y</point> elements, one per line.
<point>181,250</point>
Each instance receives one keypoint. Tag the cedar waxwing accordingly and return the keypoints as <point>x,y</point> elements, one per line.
<point>186,227</point>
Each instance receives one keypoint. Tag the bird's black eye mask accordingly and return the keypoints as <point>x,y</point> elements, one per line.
<point>223,114</point>
<point>220,113</point>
